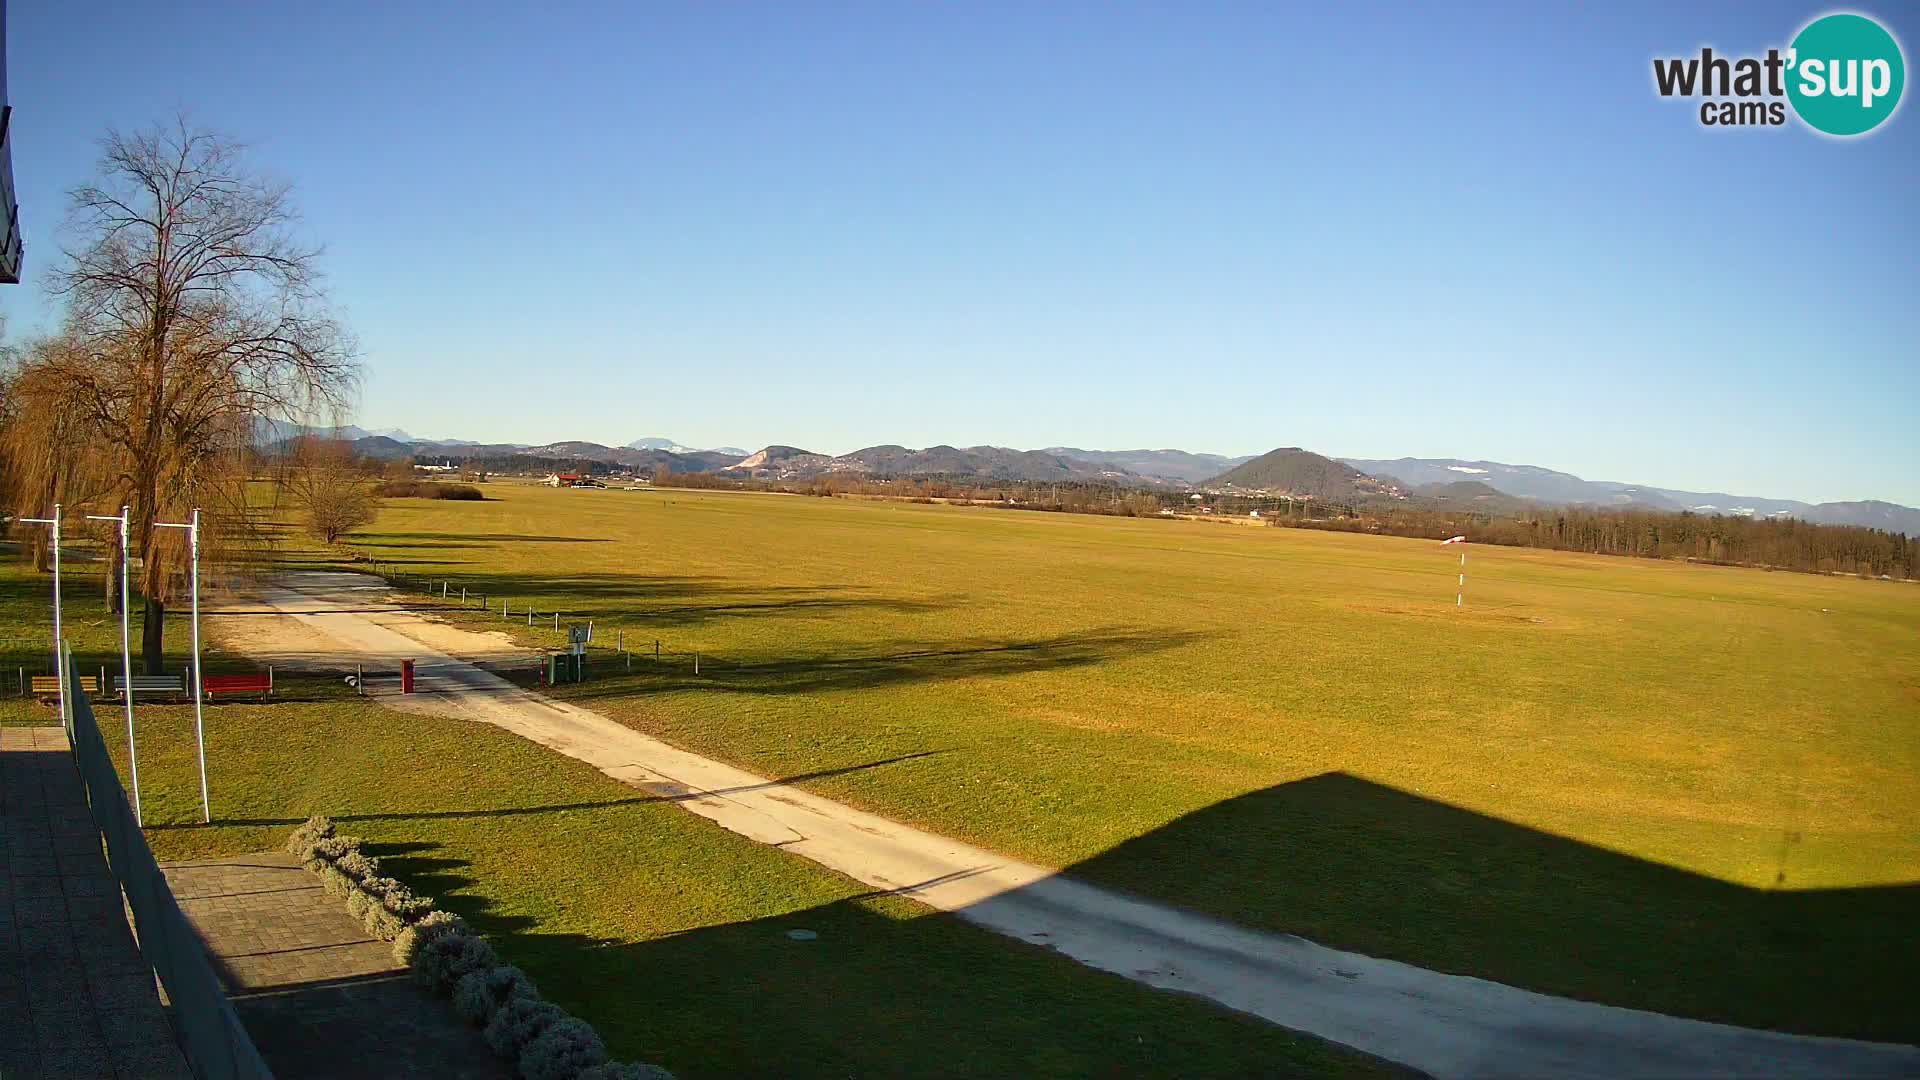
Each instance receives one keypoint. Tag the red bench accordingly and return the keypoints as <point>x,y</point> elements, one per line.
<point>238,684</point>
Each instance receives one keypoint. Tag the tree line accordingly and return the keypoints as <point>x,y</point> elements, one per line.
<point>1776,543</point>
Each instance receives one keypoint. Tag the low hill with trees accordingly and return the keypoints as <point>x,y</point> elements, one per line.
<point>1304,474</point>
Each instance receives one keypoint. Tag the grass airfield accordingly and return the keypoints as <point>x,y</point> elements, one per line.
<point>1682,788</point>
<point>1677,787</point>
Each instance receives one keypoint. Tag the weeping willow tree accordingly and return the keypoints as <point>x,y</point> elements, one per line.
<point>194,318</point>
<point>51,454</point>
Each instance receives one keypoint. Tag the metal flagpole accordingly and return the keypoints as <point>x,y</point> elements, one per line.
<point>126,660</point>
<point>199,685</point>
<point>59,652</point>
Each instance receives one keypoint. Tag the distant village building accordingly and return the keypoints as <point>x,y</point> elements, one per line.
<point>565,479</point>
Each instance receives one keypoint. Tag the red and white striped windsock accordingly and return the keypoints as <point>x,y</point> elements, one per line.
<point>1455,540</point>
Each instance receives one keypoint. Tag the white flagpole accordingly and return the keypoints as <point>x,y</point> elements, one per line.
<point>126,660</point>
<point>1460,598</point>
<point>199,681</point>
<point>199,685</point>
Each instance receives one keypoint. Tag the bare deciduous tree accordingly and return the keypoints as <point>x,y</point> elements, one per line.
<point>193,317</point>
<point>332,487</point>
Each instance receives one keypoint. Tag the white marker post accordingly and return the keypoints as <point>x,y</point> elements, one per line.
<point>126,660</point>
<point>1460,597</point>
<point>199,684</point>
<point>59,643</point>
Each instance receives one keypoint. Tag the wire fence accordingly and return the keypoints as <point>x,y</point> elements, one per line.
<point>216,1045</point>
<point>611,649</point>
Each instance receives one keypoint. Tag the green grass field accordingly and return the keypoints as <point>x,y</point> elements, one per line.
<point>669,933</point>
<point>1676,787</point>
<point>665,931</point>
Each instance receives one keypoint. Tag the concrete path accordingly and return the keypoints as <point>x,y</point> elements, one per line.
<point>1444,1025</point>
<point>318,994</point>
<point>76,998</point>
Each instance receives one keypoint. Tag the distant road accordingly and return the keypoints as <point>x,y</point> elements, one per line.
<point>1445,1025</point>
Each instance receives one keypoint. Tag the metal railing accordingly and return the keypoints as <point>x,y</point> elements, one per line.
<point>211,1035</point>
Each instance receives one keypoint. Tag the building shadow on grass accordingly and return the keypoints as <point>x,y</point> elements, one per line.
<point>885,988</point>
<point>1348,862</point>
<point>879,986</point>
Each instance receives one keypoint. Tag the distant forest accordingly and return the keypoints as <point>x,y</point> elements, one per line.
<point>1775,543</point>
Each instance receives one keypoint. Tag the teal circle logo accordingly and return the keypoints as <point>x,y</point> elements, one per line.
<point>1845,74</point>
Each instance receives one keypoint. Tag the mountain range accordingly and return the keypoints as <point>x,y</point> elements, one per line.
<point>1550,486</point>
<point>1488,486</point>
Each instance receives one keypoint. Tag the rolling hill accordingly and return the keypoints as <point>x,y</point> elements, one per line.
<point>1293,471</point>
<point>1173,466</point>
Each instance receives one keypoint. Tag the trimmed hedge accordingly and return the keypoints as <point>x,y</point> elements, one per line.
<point>448,958</point>
<point>622,1070</point>
<point>563,1051</point>
<point>479,993</point>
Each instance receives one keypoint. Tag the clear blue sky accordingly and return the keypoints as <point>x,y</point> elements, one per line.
<point>1376,231</point>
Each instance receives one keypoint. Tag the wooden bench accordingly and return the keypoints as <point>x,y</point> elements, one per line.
<point>152,684</point>
<point>238,684</point>
<point>49,685</point>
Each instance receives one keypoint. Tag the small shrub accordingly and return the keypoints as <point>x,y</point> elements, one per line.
<point>358,866</point>
<point>416,937</point>
<point>441,962</point>
<point>335,881</point>
<point>336,847</point>
<point>518,1022</point>
<point>562,1051</point>
<point>306,834</point>
<point>382,923</point>
<point>408,906</point>
<point>380,887</point>
<point>624,1070</point>
<point>479,994</point>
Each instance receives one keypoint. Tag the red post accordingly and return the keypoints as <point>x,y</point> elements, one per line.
<point>406,676</point>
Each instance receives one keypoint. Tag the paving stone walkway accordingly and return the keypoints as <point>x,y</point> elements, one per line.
<point>76,998</point>
<point>319,996</point>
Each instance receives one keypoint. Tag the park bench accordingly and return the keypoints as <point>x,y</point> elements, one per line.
<point>238,684</point>
<point>152,684</point>
<point>49,685</point>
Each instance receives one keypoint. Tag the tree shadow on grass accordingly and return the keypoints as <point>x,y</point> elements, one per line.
<point>663,601</point>
<point>408,539</point>
<point>964,659</point>
<point>679,601</point>
<point>796,780</point>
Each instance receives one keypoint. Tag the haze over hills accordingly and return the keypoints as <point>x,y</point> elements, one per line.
<point>654,442</point>
<point>1175,465</point>
<point>1485,486</point>
<point>1550,486</point>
